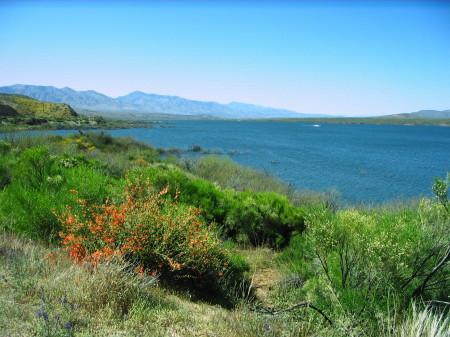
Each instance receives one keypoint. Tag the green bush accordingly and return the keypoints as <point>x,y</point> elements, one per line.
<point>194,192</point>
<point>6,163</point>
<point>262,218</point>
<point>357,263</point>
<point>34,166</point>
<point>40,182</point>
<point>256,218</point>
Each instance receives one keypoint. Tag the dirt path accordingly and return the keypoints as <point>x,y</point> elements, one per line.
<point>265,281</point>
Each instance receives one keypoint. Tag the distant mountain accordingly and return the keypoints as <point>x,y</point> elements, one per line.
<point>176,105</point>
<point>20,105</point>
<point>433,113</point>
<point>139,102</point>
<point>258,111</point>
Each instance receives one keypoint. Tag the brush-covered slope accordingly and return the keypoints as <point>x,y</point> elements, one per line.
<point>15,105</point>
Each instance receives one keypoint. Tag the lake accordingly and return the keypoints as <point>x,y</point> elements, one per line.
<point>365,163</point>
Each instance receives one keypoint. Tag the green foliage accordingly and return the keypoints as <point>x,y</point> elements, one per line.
<point>40,182</point>
<point>194,192</point>
<point>356,263</point>
<point>255,218</point>
<point>6,163</point>
<point>440,189</point>
<point>361,267</point>
<point>34,166</point>
<point>262,218</point>
<point>4,148</point>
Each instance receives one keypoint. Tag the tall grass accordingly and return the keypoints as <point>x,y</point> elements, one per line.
<point>53,296</point>
<point>424,323</point>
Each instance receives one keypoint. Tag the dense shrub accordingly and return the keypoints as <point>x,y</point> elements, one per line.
<point>262,218</point>
<point>160,236</point>
<point>41,181</point>
<point>34,166</point>
<point>256,218</point>
<point>359,263</point>
<point>198,193</point>
<point>6,163</point>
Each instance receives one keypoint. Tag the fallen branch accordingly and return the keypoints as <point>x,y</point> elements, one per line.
<point>273,311</point>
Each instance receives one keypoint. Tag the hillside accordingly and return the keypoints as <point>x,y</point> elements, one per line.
<point>139,102</point>
<point>433,113</point>
<point>20,105</point>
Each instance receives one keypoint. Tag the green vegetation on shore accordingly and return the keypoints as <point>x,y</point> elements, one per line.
<point>102,236</point>
<point>401,119</point>
<point>22,123</point>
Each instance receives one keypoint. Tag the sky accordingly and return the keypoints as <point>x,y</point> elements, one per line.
<point>350,58</point>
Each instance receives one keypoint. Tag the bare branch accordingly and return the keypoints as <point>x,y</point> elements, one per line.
<point>272,311</point>
<point>422,287</point>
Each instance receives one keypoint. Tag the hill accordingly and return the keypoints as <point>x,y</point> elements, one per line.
<point>139,102</point>
<point>433,113</point>
<point>20,105</point>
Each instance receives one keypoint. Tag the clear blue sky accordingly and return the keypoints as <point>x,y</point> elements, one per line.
<point>343,58</point>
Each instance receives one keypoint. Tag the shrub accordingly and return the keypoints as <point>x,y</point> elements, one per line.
<point>6,163</point>
<point>34,166</point>
<point>356,263</point>
<point>198,193</point>
<point>159,235</point>
<point>256,218</point>
<point>262,218</point>
<point>40,182</point>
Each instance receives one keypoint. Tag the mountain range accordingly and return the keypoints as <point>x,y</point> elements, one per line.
<point>139,102</point>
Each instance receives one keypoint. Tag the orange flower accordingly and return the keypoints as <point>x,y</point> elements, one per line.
<point>140,270</point>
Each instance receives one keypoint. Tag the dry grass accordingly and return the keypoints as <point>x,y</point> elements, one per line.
<point>54,297</point>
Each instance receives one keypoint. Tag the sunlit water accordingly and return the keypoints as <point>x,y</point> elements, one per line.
<point>365,163</point>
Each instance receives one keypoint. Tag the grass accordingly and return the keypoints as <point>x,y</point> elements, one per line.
<point>423,322</point>
<point>54,297</point>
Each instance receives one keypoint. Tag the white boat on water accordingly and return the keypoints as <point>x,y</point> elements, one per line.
<point>316,125</point>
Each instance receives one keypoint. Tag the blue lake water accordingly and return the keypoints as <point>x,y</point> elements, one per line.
<point>365,163</point>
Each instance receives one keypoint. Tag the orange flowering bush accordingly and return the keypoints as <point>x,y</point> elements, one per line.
<point>153,232</point>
